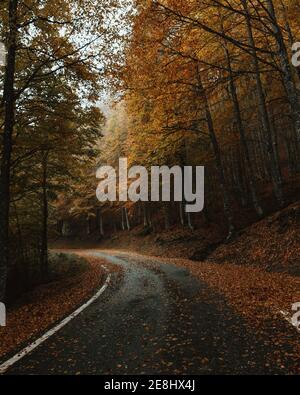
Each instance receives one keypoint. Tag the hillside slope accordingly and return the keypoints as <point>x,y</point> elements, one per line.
<point>272,243</point>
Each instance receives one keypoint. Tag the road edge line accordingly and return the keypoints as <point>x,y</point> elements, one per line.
<point>28,349</point>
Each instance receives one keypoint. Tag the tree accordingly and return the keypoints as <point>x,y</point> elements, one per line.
<point>37,52</point>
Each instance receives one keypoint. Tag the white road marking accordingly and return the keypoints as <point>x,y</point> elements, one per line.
<point>289,320</point>
<point>27,350</point>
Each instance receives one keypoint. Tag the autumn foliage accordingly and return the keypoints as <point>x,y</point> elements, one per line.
<point>195,83</point>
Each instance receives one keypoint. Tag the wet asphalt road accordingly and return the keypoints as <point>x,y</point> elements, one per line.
<point>157,319</point>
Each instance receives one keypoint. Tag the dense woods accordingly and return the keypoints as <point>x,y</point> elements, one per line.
<point>209,83</point>
<point>49,119</point>
<point>194,83</point>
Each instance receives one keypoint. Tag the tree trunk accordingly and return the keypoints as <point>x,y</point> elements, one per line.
<point>287,72</point>
<point>44,232</point>
<point>242,134</point>
<point>9,121</point>
<point>99,221</point>
<point>274,166</point>
<point>146,223</point>
<point>127,222</point>
<point>23,267</point>
<point>166,215</point>
<point>123,219</point>
<point>115,226</point>
<point>189,221</point>
<point>182,213</point>
<point>65,228</point>
<point>101,228</point>
<point>88,226</point>
<point>217,154</point>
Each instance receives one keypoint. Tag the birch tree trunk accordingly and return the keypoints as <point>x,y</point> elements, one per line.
<point>189,221</point>
<point>100,222</point>
<point>127,219</point>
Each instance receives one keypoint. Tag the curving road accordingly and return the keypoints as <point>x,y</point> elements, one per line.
<point>156,319</point>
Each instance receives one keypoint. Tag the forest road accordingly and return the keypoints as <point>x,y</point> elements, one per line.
<point>156,319</point>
